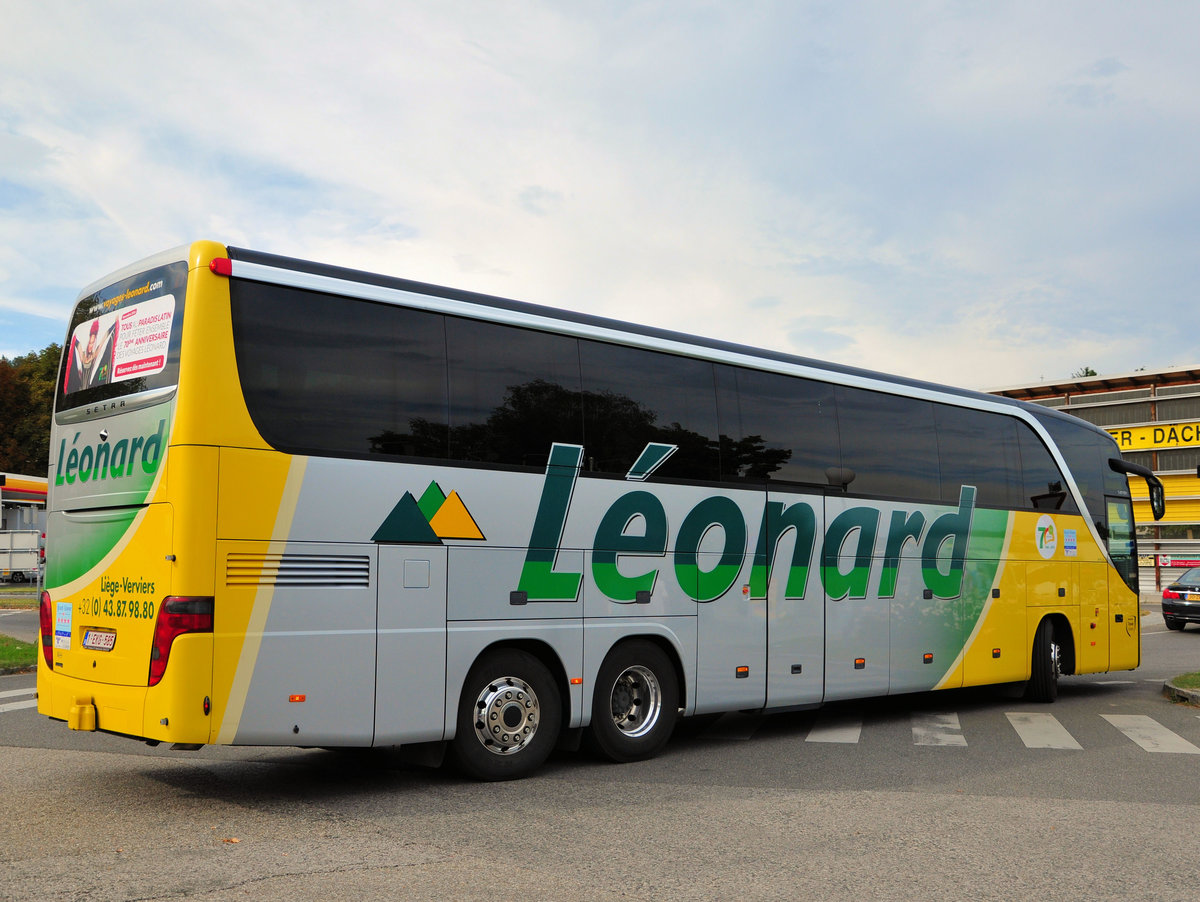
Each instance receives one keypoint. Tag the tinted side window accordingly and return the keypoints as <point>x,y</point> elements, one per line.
<point>1044,485</point>
<point>980,449</point>
<point>775,427</point>
<point>632,397</point>
<point>889,443</point>
<point>328,375</point>
<point>513,393</point>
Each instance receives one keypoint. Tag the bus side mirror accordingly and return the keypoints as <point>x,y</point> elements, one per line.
<point>1158,498</point>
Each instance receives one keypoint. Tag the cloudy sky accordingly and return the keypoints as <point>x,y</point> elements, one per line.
<point>982,194</point>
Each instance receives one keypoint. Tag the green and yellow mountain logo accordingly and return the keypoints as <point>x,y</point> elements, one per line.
<point>428,521</point>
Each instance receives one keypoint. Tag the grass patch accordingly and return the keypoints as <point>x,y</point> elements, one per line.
<point>15,653</point>
<point>24,597</point>
<point>1187,681</point>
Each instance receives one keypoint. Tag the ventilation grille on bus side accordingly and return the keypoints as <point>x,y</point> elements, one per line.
<point>297,570</point>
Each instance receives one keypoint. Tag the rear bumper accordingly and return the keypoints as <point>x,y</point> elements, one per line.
<point>177,710</point>
<point>1181,610</point>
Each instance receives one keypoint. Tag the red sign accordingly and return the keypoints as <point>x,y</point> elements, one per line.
<point>1168,561</point>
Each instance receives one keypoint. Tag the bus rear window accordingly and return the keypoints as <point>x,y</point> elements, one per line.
<point>124,339</point>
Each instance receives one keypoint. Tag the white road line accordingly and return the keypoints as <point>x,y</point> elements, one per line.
<point>1041,731</point>
<point>17,706</point>
<point>15,692</point>
<point>1115,682</point>
<point>836,729</point>
<point>937,729</point>
<point>1150,734</point>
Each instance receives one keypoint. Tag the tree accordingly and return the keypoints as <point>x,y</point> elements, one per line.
<point>1084,371</point>
<point>26,403</point>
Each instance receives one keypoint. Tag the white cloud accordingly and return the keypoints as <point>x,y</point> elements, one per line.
<point>973,194</point>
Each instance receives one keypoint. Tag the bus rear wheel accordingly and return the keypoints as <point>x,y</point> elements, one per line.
<point>635,704</point>
<point>509,716</point>
<point>1047,664</point>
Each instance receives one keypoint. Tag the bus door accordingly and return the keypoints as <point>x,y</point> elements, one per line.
<point>857,620</point>
<point>795,600</point>
<point>1092,579</point>
<point>410,677</point>
<point>731,614</point>
<point>1123,619</point>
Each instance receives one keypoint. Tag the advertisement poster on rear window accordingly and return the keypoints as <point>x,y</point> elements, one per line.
<point>121,345</point>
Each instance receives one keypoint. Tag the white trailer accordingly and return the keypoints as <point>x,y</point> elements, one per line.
<point>19,556</point>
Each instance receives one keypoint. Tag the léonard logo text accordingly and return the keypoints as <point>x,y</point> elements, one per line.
<point>109,461</point>
<point>636,525</point>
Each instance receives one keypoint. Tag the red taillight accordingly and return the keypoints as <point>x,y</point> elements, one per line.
<point>46,622</point>
<point>1167,593</point>
<point>177,615</point>
<point>222,266</point>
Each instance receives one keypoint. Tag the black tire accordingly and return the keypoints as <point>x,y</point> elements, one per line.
<point>1173,624</point>
<point>508,717</point>
<point>18,577</point>
<point>1043,677</point>
<point>635,704</point>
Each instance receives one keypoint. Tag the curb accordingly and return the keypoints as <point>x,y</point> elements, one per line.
<point>1186,696</point>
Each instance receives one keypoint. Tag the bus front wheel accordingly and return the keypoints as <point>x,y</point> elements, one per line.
<point>508,717</point>
<point>1047,658</point>
<point>635,704</point>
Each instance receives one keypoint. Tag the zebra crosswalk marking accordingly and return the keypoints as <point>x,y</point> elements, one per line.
<point>836,729</point>
<point>937,729</point>
<point>1041,731</point>
<point>1150,734</point>
<point>17,706</point>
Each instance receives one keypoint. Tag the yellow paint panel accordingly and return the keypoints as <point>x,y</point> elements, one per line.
<point>259,490</point>
<point>1125,645</point>
<point>179,698</point>
<point>252,484</point>
<point>210,410</point>
<point>191,485</point>
<point>121,595</point>
<point>999,650</point>
<point>1023,545</point>
<point>1091,644</point>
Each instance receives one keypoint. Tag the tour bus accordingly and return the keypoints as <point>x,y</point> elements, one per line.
<point>295,504</point>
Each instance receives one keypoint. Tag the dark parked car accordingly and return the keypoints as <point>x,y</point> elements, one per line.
<point>1181,600</point>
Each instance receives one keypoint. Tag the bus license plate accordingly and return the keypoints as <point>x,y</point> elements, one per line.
<point>100,640</point>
